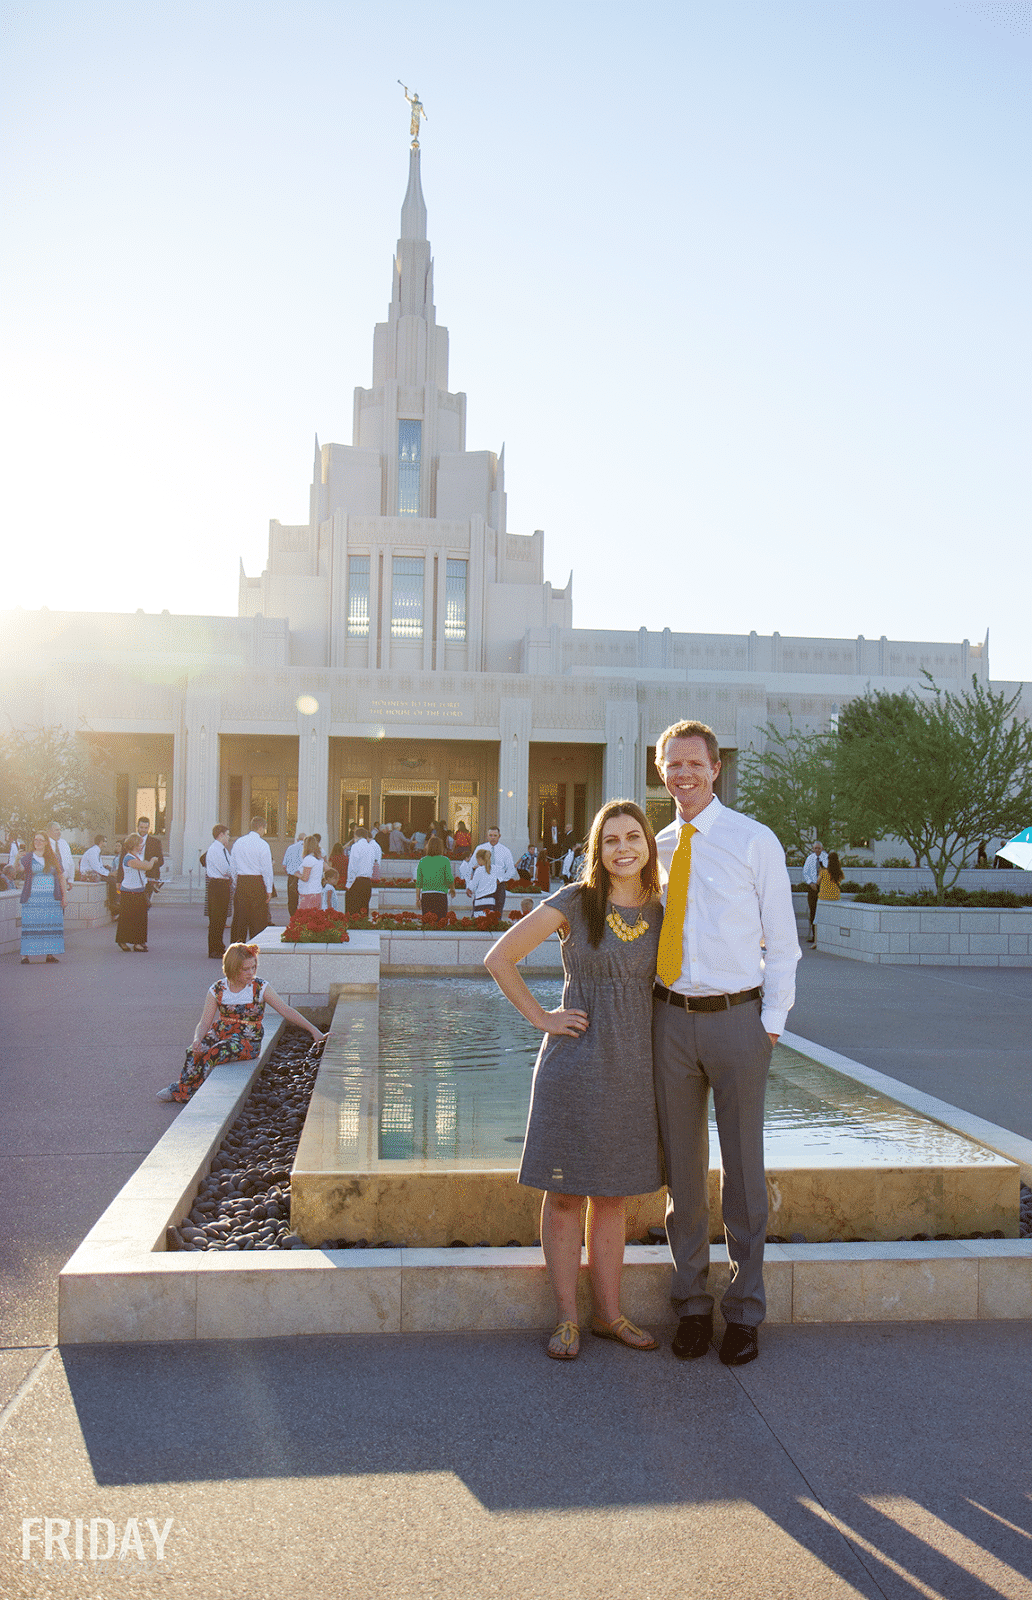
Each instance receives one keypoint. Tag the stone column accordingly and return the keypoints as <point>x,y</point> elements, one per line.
<point>515,724</point>
<point>199,736</point>
<point>620,766</point>
<point>313,769</point>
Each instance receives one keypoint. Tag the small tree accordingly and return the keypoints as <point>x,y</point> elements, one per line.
<point>941,771</point>
<point>790,786</point>
<point>46,775</point>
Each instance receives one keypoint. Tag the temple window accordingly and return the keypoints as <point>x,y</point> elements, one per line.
<point>358,597</point>
<point>407,598</point>
<point>409,441</point>
<point>455,602</point>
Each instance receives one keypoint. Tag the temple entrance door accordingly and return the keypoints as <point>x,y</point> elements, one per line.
<point>355,809</point>
<point>414,805</point>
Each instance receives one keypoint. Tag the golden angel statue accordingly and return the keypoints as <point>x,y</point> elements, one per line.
<point>417,112</point>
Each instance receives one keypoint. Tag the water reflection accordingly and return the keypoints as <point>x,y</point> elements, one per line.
<point>455,1067</point>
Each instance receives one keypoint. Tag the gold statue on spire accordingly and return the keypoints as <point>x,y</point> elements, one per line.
<point>417,112</point>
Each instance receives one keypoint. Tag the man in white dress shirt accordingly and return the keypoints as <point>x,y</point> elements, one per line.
<point>362,860</point>
<point>219,872</point>
<point>502,865</point>
<point>817,859</point>
<point>250,862</point>
<point>91,866</point>
<point>62,852</point>
<point>726,982</point>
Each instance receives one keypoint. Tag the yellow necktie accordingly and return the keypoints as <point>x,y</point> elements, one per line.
<point>668,961</point>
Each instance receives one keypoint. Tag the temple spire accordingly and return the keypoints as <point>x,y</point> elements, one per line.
<point>413,207</point>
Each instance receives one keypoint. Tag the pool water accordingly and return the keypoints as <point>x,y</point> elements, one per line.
<point>456,1061</point>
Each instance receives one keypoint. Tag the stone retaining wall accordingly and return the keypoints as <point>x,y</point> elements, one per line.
<point>927,936</point>
<point>86,908</point>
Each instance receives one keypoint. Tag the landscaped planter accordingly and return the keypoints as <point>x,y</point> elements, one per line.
<point>313,974</point>
<point>926,936</point>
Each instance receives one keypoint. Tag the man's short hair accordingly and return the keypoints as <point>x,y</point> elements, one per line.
<point>689,730</point>
<point>99,838</point>
<point>360,832</point>
<point>220,827</point>
<point>140,820</point>
<point>256,823</point>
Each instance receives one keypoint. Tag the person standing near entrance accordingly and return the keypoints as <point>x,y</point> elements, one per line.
<point>152,852</point>
<point>293,856</point>
<point>725,985</point>
<point>219,874</point>
<point>363,858</point>
<point>250,863</point>
<point>503,866</point>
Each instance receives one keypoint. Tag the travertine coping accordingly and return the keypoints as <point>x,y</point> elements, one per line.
<point>318,974</point>
<point>121,1286</point>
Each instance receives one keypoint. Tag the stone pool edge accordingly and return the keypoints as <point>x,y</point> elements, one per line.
<point>120,1286</point>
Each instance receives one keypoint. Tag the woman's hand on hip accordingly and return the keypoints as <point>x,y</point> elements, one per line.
<point>566,1023</point>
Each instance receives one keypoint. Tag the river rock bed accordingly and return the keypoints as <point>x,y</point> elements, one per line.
<point>244,1202</point>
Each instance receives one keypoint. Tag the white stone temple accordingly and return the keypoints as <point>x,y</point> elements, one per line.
<point>403,656</point>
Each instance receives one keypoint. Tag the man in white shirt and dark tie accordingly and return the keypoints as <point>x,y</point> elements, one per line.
<point>725,985</point>
<point>502,865</point>
<point>62,852</point>
<point>219,874</point>
<point>250,862</point>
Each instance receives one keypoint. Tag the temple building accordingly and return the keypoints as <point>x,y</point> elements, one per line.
<point>403,656</point>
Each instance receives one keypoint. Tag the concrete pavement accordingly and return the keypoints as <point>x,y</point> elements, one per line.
<point>874,1460</point>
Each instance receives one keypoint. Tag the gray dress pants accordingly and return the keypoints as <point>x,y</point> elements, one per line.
<point>727,1051</point>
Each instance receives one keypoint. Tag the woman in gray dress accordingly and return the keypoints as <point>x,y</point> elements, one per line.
<point>592,1131</point>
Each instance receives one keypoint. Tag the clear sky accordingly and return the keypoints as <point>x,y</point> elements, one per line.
<point>743,287</point>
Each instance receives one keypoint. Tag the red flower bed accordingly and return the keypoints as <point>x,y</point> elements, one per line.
<point>317,927</point>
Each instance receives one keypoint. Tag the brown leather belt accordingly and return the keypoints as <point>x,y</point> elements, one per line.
<point>705,1002</point>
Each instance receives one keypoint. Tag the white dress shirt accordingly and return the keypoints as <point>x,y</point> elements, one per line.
<point>216,860</point>
<point>812,866</point>
<point>64,856</point>
<point>739,925</point>
<point>502,864</point>
<point>251,857</point>
<point>91,862</point>
<point>293,858</point>
<point>362,858</point>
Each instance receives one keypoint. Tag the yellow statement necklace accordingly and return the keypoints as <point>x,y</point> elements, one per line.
<point>627,931</point>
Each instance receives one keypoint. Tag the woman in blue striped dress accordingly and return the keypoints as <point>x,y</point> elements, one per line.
<point>42,902</point>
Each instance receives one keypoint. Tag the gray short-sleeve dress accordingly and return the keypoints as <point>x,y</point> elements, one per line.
<point>592,1126</point>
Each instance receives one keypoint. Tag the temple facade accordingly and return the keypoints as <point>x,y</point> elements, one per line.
<point>403,656</point>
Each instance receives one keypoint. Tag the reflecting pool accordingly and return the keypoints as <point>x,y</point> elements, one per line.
<point>456,1061</point>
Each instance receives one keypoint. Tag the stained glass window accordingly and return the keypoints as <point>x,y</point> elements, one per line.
<point>455,602</point>
<point>407,598</point>
<point>358,597</point>
<point>410,436</point>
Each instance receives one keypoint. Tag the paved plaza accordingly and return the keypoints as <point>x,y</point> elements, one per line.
<point>875,1460</point>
